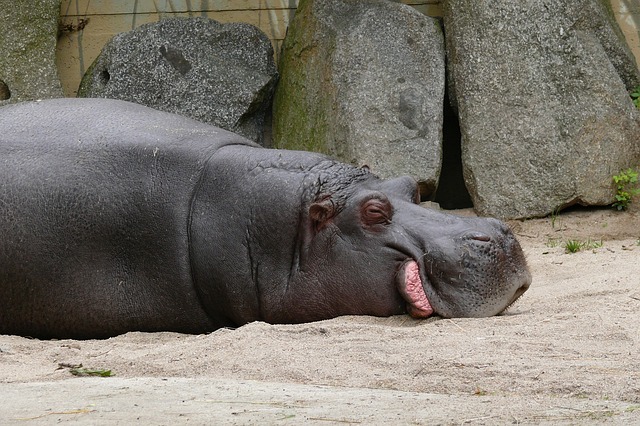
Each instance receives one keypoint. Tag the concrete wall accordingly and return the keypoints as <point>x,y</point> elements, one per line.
<point>627,14</point>
<point>86,25</point>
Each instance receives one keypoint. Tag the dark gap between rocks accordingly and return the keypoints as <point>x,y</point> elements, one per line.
<point>452,192</point>
<point>5,93</point>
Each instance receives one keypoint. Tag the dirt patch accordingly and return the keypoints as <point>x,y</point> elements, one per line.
<point>568,352</point>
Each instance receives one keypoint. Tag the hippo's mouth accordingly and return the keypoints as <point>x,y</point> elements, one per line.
<point>411,288</point>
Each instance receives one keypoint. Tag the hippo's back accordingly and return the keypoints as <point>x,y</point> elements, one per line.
<point>68,122</point>
<point>94,215</point>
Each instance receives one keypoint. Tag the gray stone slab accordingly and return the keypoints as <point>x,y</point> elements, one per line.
<point>364,81</point>
<point>221,74</point>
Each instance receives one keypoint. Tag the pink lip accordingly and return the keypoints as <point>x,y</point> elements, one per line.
<point>411,288</point>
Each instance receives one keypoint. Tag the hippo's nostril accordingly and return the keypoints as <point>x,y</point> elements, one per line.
<point>478,236</point>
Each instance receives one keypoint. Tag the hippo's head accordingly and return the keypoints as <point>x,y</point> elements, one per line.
<point>370,249</point>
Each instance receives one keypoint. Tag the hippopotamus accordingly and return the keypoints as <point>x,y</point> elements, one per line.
<point>116,217</point>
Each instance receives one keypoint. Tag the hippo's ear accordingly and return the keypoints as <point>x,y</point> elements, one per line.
<point>321,213</point>
<point>404,186</point>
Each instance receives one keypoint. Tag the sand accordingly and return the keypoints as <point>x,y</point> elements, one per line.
<point>568,352</point>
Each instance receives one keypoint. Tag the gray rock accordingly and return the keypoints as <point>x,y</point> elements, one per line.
<point>28,39</point>
<point>545,117</point>
<point>221,74</point>
<point>364,81</point>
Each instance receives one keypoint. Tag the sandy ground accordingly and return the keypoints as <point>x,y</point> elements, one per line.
<point>567,353</point>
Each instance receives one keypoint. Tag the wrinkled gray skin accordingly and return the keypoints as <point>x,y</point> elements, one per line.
<point>115,217</point>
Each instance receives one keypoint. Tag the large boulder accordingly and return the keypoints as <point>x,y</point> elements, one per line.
<point>28,39</point>
<point>545,116</point>
<point>363,80</point>
<point>221,74</point>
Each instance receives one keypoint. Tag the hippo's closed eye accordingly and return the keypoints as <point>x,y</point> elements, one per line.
<point>376,211</point>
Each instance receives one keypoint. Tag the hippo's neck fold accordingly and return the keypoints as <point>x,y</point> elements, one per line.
<point>252,205</point>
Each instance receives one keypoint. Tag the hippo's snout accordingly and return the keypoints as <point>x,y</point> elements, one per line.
<point>471,267</point>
